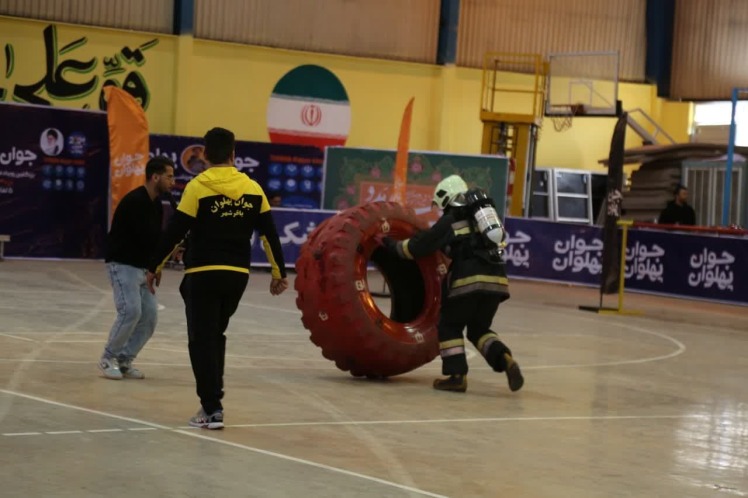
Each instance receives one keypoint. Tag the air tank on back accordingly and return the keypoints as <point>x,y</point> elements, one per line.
<point>486,217</point>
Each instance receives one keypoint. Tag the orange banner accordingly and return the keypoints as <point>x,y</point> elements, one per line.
<point>401,158</point>
<point>128,144</point>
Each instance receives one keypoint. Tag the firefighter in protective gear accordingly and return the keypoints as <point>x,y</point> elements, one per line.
<point>474,287</point>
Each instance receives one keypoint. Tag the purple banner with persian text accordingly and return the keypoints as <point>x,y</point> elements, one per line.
<point>668,263</point>
<point>294,225</point>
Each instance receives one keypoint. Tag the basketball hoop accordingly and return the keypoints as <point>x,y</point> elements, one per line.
<point>563,120</point>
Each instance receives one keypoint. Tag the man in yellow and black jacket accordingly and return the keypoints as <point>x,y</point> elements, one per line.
<point>474,287</point>
<point>221,208</point>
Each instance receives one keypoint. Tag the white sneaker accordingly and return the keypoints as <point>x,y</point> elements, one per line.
<point>110,368</point>
<point>130,372</point>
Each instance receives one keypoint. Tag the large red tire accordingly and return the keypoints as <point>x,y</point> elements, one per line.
<point>338,309</point>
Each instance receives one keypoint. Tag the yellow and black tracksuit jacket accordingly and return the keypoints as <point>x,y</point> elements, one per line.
<point>470,270</point>
<point>221,208</point>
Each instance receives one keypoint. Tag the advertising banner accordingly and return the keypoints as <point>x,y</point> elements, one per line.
<point>357,176</point>
<point>294,225</point>
<point>672,264</point>
<point>553,251</point>
<point>128,144</point>
<point>54,174</point>
<point>293,173</point>
<point>707,267</point>
<point>659,262</point>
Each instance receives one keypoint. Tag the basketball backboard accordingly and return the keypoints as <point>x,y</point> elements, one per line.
<point>582,84</point>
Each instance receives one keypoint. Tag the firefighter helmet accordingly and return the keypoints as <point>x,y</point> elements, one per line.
<point>450,192</point>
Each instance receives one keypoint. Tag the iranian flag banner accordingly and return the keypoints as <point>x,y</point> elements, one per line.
<point>309,106</point>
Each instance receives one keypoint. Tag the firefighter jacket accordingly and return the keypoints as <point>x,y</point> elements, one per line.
<point>471,269</point>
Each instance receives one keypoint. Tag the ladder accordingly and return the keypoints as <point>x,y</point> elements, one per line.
<point>649,138</point>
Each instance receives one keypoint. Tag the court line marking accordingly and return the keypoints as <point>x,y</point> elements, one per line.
<point>47,291</point>
<point>18,372</point>
<point>560,418</point>
<point>56,309</point>
<point>232,444</point>
<point>248,357</point>
<point>181,335</point>
<point>95,288</point>
<point>314,464</point>
<point>85,282</point>
<point>359,436</point>
<point>476,420</point>
<point>680,349</point>
<point>270,308</point>
<point>180,341</point>
<point>76,341</point>
<point>186,365</point>
<point>90,431</point>
<point>18,337</point>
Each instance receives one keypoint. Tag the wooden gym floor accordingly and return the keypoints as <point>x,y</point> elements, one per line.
<point>645,406</point>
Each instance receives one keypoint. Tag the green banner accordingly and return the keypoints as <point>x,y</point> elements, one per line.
<point>359,176</point>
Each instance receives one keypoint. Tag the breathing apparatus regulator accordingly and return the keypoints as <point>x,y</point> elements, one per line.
<point>486,220</point>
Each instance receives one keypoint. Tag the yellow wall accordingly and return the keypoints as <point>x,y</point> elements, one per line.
<point>231,84</point>
<point>197,84</point>
<point>27,42</point>
<point>675,117</point>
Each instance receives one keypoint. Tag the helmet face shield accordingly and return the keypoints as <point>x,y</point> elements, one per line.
<point>459,200</point>
<point>450,191</point>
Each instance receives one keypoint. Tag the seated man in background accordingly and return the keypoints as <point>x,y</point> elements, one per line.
<point>678,212</point>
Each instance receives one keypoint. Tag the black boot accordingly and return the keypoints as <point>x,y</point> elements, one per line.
<point>513,373</point>
<point>454,383</point>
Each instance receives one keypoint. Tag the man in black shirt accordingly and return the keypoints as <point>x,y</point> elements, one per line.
<point>678,212</point>
<point>135,231</point>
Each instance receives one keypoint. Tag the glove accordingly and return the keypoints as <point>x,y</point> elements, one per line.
<point>389,245</point>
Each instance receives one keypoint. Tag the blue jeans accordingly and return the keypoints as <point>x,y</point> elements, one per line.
<point>136,312</point>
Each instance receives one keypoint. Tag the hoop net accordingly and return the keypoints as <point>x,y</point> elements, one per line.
<point>564,119</point>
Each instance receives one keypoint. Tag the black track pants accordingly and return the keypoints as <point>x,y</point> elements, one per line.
<point>210,298</point>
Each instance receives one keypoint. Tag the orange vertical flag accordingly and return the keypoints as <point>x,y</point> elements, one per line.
<point>401,158</point>
<point>128,144</point>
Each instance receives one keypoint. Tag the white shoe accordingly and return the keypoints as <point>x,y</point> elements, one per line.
<point>110,368</point>
<point>130,372</point>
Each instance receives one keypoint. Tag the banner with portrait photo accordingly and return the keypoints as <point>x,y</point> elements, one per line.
<point>53,181</point>
<point>291,173</point>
